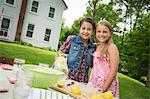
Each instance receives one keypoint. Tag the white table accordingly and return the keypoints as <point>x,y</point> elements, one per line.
<point>35,94</point>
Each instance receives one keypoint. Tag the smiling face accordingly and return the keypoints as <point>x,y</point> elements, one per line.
<point>86,30</point>
<point>103,33</point>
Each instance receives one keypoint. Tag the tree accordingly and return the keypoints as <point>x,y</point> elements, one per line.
<point>134,46</point>
<point>93,7</point>
<point>100,11</point>
<point>132,11</point>
<point>64,31</point>
<point>137,43</point>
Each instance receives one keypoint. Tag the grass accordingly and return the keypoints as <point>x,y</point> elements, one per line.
<point>30,54</point>
<point>132,89</point>
<point>129,88</point>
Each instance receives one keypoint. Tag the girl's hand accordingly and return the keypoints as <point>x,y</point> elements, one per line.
<point>100,90</point>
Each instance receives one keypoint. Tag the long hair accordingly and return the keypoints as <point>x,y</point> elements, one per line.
<point>104,48</point>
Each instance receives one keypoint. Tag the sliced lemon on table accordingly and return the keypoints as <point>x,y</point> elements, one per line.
<point>76,90</point>
<point>97,96</point>
<point>60,84</point>
<point>108,95</point>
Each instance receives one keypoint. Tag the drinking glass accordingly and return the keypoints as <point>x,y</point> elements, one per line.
<point>17,65</point>
<point>23,86</point>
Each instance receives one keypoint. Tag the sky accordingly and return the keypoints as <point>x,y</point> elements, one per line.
<point>76,9</point>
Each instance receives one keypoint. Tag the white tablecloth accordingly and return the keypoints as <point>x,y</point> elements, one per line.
<point>47,94</point>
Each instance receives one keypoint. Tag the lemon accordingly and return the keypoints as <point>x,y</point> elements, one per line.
<point>108,95</point>
<point>60,84</point>
<point>76,90</point>
<point>97,96</point>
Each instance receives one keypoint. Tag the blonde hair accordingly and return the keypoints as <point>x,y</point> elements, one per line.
<point>104,48</point>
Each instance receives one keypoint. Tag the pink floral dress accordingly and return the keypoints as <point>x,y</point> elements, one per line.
<point>100,72</point>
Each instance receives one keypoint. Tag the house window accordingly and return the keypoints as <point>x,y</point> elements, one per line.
<point>11,2</point>
<point>47,35</point>
<point>4,27</point>
<point>35,5</point>
<point>51,12</point>
<point>30,30</point>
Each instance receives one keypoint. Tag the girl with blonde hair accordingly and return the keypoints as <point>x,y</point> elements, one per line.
<point>105,60</point>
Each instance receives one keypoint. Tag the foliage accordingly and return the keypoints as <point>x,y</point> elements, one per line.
<point>132,11</point>
<point>135,44</point>
<point>104,11</point>
<point>117,39</point>
<point>136,54</point>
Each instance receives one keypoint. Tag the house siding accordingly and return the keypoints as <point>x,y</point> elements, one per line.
<point>12,13</point>
<point>43,22</point>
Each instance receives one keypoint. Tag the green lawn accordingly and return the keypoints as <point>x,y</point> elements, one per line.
<point>129,88</point>
<point>132,89</point>
<point>30,54</point>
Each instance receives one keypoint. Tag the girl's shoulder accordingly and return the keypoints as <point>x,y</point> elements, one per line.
<point>112,48</point>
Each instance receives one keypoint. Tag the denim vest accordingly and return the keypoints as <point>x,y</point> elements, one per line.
<point>76,53</point>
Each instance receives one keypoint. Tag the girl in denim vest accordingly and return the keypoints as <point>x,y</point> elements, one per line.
<point>80,51</point>
<point>106,60</point>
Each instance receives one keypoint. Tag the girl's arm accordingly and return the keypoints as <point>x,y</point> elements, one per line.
<point>114,62</point>
<point>66,45</point>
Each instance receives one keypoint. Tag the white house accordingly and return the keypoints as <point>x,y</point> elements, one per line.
<point>37,22</point>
